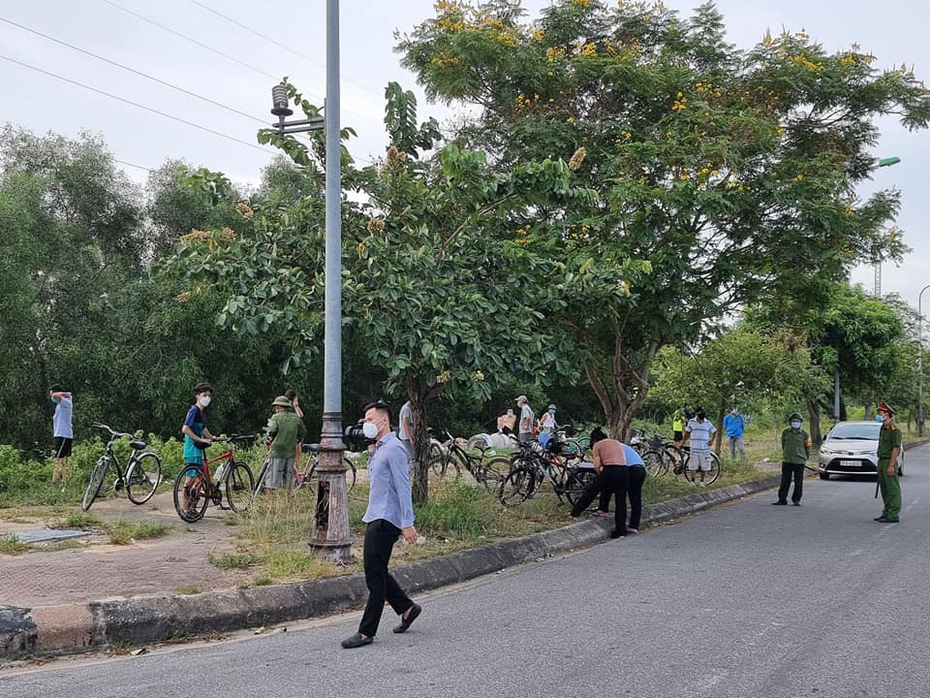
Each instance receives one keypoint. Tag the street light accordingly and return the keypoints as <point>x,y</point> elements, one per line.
<point>330,532</point>
<point>920,364</point>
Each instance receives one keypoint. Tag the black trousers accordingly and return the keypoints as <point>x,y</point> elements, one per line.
<point>380,537</point>
<point>613,480</point>
<point>789,470</point>
<point>635,492</point>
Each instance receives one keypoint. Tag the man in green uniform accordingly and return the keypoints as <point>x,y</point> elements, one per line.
<point>285,429</point>
<point>795,447</point>
<point>889,446</point>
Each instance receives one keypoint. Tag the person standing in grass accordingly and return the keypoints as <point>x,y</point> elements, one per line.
<point>62,431</point>
<point>889,447</point>
<point>285,430</point>
<point>734,424</point>
<point>795,448</point>
<point>700,431</point>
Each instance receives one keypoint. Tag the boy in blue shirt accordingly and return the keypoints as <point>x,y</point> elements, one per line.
<point>196,435</point>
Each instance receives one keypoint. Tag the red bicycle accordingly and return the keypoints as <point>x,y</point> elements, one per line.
<point>194,488</point>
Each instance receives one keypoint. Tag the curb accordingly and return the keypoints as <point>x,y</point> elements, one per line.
<point>47,630</point>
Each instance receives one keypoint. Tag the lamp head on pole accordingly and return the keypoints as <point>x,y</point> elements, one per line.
<point>279,99</point>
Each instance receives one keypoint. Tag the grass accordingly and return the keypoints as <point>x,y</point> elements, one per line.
<point>11,545</point>
<point>78,520</point>
<point>234,561</point>
<point>124,533</point>
<point>188,590</point>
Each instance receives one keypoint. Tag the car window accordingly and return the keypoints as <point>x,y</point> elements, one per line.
<point>855,431</point>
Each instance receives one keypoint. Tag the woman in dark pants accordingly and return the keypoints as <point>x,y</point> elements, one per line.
<point>612,480</point>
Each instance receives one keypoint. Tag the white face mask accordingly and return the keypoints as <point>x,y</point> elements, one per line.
<point>795,425</point>
<point>204,400</point>
<point>370,430</point>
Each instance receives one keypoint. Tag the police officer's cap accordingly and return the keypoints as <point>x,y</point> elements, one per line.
<point>886,407</point>
<point>795,415</point>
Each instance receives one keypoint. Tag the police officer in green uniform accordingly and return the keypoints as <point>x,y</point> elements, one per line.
<point>795,447</point>
<point>889,446</point>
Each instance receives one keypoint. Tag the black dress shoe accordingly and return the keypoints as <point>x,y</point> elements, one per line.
<point>797,504</point>
<point>779,504</point>
<point>890,520</point>
<point>405,623</point>
<point>880,518</point>
<point>357,640</point>
<point>617,534</point>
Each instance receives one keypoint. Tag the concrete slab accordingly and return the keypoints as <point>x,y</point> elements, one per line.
<point>47,535</point>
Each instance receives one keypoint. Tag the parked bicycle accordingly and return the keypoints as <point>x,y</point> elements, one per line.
<point>531,468</point>
<point>141,477</point>
<point>306,476</point>
<point>681,468</point>
<point>487,471</point>
<point>195,488</point>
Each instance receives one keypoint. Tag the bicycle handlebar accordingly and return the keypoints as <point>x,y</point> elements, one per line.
<point>113,434</point>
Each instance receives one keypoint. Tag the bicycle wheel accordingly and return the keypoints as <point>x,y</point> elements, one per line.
<point>351,473</point>
<point>97,476</point>
<point>711,476</point>
<point>193,506</point>
<point>655,462</point>
<point>517,486</point>
<point>239,486</point>
<point>492,473</point>
<point>143,477</point>
<point>694,476</point>
<point>437,460</point>
<point>260,481</point>
<point>577,482</point>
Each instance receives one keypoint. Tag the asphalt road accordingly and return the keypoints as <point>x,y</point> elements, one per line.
<point>745,600</point>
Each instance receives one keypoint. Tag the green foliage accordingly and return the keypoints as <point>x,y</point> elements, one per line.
<point>126,533</point>
<point>11,545</point>
<point>457,509</point>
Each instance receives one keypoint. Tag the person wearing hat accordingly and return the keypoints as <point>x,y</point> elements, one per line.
<point>547,421</point>
<point>795,449</point>
<point>525,427</point>
<point>889,447</point>
<point>285,430</point>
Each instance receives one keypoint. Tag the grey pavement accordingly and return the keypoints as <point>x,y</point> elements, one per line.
<point>739,600</point>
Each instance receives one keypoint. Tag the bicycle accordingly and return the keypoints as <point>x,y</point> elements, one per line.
<point>530,468</point>
<point>306,476</point>
<point>681,468</point>
<point>194,488</point>
<point>141,477</point>
<point>488,473</point>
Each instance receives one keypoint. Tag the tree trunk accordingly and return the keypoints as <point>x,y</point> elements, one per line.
<point>420,397</point>
<point>622,398</point>
<point>813,410</point>
<point>718,439</point>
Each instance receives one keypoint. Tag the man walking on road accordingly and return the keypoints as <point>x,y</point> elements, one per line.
<point>889,446</point>
<point>389,514</point>
<point>734,424</point>
<point>795,449</point>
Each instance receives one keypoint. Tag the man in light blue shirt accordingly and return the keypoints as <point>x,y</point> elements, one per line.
<point>389,514</point>
<point>63,433</point>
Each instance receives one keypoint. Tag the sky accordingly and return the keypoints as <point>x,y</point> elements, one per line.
<point>210,48</point>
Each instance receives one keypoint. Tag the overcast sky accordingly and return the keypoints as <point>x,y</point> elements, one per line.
<point>894,31</point>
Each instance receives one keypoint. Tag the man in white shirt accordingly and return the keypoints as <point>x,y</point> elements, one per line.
<point>525,429</point>
<point>699,431</point>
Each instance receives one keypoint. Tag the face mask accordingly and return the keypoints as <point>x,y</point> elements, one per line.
<point>370,430</point>
<point>795,425</point>
<point>701,415</point>
<point>510,413</point>
<point>55,400</point>
<point>551,411</point>
<point>204,401</point>
<point>879,418</point>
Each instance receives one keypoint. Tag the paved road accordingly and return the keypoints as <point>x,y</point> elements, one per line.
<point>745,600</point>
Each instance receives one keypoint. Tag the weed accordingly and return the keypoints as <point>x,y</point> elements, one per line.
<point>75,520</point>
<point>11,545</point>
<point>235,561</point>
<point>188,590</point>
<point>298,564</point>
<point>262,581</point>
<point>124,533</point>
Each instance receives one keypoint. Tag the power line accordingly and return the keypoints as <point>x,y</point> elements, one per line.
<point>137,72</point>
<point>277,43</point>
<point>140,106</point>
<point>129,164</point>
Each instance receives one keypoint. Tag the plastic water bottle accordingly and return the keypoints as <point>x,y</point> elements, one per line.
<point>218,475</point>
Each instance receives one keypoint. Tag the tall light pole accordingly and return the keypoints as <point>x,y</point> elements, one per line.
<point>876,291</point>
<point>330,532</point>
<point>920,363</point>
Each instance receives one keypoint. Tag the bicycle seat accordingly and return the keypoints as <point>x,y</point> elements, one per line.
<point>138,445</point>
<point>309,448</point>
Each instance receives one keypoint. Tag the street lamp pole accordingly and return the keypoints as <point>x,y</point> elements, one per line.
<point>330,532</point>
<point>920,363</point>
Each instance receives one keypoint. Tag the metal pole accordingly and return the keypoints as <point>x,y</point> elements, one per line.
<point>920,363</point>
<point>836,396</point>
<point>331,526</point>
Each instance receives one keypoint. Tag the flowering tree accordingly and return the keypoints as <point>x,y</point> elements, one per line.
<point>732,172</point>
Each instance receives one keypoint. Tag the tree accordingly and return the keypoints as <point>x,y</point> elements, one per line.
<point>438,289</point>
<point>732,172</point>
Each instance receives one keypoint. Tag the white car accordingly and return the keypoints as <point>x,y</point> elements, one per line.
<point>851,448</point>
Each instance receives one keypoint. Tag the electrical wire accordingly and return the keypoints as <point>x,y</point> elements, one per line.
<point>136,72</point>
<point>140,106</point>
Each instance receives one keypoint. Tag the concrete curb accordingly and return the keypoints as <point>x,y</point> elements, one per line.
<point>46,630</point>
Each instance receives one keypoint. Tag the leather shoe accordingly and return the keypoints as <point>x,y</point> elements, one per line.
<point>880,518</point>
<point>797,504</point>
<point>405,623</point>
<point>779,504</point>
<point>617,534</point>
<point>890,520</point>
<point>357,640</point>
